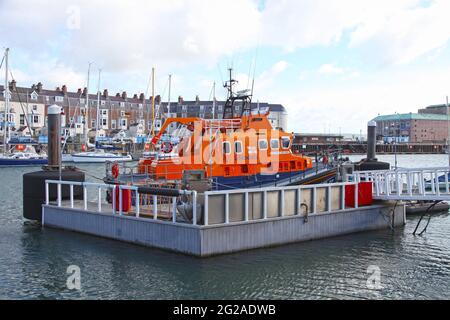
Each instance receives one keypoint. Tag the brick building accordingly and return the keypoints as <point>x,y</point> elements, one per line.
<point>413,127</point>
<point>117,112</point>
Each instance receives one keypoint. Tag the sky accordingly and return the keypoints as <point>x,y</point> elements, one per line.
<point>334,64</point>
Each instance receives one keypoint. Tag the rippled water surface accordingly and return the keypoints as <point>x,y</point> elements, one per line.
<point>33,261</point>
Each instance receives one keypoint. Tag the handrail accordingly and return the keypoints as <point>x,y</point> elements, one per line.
<point>172,199</point>
<point>409,184</point>
<point>155,205</point>
<point>282,190</point>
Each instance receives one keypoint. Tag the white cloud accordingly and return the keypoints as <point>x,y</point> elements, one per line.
<point>350,103</point>
<point>279,67</point>
<point>330,69</point>
<point>129,35</point>
<point>405,33</point>
<point>388,32</point>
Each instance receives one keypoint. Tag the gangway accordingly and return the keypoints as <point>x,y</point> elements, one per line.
<point>415,184</point>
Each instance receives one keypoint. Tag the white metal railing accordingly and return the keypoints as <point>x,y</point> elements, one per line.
<point>152,203</point>
<point>313,208</point>
<point>420,184</point>
<point>329,197</point>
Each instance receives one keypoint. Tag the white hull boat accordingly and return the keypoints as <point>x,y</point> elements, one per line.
<point>100,157</point>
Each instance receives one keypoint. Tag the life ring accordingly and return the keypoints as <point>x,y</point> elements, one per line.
<point>115,171</point>
<point>167,147</point>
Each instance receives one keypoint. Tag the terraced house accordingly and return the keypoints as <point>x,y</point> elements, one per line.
<point>116,112</point>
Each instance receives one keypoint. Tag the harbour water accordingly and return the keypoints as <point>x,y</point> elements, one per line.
<point>34,261</point>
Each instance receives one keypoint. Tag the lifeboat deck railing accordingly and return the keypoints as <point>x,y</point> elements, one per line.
<point>414,184</point>
<point>211,208</point>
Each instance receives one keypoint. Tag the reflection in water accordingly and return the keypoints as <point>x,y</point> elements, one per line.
<point>33,264</point>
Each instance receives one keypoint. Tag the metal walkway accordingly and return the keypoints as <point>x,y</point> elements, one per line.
<point>418,184</point>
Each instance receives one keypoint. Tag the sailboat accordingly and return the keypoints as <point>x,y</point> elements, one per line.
<point>97,156</point>
<point>22,154</point>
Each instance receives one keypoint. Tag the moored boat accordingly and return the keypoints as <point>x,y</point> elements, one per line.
<point>240,150</point>
<point>26,158</point>
<point>100,157</point>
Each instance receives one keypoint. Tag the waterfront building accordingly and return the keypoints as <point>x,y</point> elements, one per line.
<point>26,110</point>
<point>413,128</point>
<point>116,112</point>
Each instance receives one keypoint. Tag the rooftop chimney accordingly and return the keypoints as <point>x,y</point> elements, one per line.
<point>124,95</point>
<point>79,92</point>
<point>64,89</point>
<point>105,93</point>
<point>158,99</point>
<point>33,87</point>
<point>85,92</point>
<point>197,99</point>
<point>180,100</point>
<point>142,97</point>
<point>58,89</point>
<point>135,96</point>
<point>117,95</point>
<point>39,87</point>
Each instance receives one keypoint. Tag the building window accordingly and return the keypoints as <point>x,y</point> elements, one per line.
<point>34,96</point>
<point>35,119</point>
<point>104,122</point>
<point>35,107</point>
<point>103,102</point>
<point>113,124</point>
<point>122,104</point>
<point>82,101</point>
<point>123,123</point>
<point>59,99</point>
<point>104,112</point>
<point>22,120</point>
<point>122,113</point>
<point>93,123</point>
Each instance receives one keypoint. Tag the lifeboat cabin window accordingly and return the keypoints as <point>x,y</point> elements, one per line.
<point>262,144</point>
<point>238,147</point>
<point>286,142</point>
<point>226,148</point>
<point>274,144</point>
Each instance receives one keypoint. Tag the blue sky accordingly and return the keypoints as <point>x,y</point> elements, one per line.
<point>333,64</point>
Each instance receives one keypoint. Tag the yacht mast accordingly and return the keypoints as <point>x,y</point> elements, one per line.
<point>86,114</point>
<point>153,102</point>
<point>214,101</point>
<point>98,103</point>
<point>170,93</point>
<point>6,93</point>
